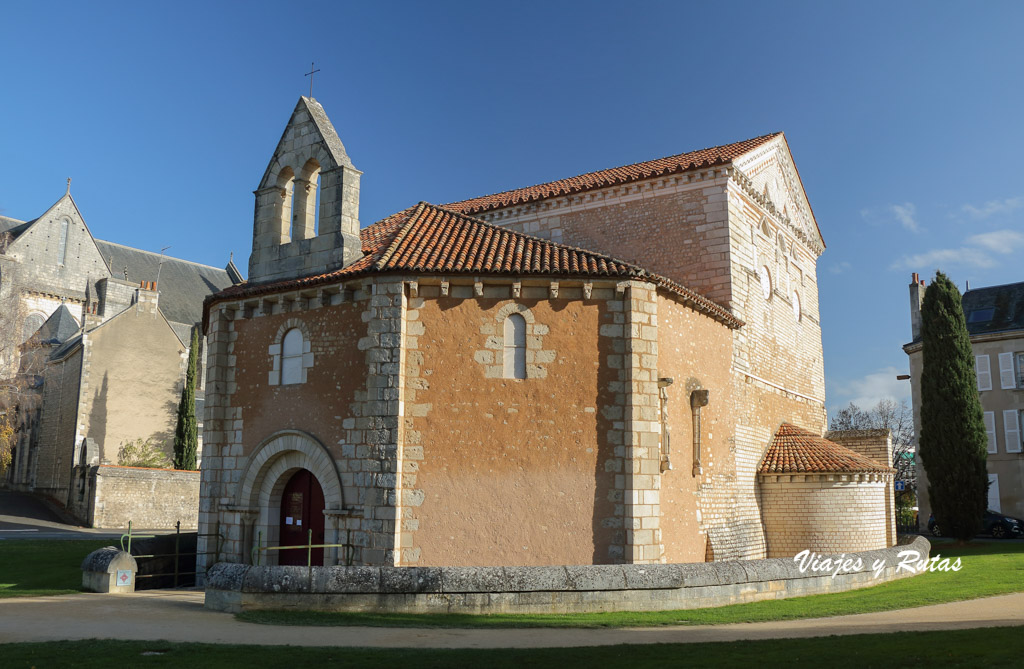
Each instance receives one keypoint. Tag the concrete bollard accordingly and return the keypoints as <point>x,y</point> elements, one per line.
<point>109,570</point>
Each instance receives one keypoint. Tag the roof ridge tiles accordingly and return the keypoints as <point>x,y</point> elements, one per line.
<point>427,238</point>
<point>794,450</point>
<point>614,175</point>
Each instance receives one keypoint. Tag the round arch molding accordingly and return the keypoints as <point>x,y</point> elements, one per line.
<point>263,480</point>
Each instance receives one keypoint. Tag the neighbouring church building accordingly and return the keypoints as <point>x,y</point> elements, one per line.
<point>99,359</point>
<point>620,367</point>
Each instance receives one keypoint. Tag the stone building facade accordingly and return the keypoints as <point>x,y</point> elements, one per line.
<point>582,372</point>
<point>101,348</point>
<point>995,323</point>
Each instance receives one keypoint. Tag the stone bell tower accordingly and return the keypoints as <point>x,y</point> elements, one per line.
<point>307,205</point>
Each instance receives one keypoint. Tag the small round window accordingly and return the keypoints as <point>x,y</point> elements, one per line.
<point>766,283</point>
<point>796,305</point>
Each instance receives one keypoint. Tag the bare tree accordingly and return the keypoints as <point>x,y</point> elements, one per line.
<point>12,386</point>
<point>896,417</point>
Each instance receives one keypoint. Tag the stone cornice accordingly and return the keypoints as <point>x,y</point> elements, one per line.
<point>1005,335</point>
<point>827,477</point>
<point>747,186</point>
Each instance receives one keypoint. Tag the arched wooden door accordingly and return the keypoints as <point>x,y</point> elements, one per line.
<point>302,510</point>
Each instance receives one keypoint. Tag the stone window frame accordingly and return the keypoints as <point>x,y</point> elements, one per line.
<point>39,316</point>
<point>537,359</point>
<point>513,353</point>
<point>274,351</point>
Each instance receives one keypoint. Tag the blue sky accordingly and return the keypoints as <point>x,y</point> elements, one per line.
<point>905,120</point>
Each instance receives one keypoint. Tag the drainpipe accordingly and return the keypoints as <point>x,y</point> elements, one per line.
<point>698,399</point>
<point>666,438</point>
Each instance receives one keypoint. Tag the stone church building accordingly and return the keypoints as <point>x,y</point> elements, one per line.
<point>619,367</point>
<point>100,361</point>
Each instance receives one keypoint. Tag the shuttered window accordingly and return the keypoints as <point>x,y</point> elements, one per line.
<point>990,430</point>
<point>983,369</point>
<point>1006,376</point>
<point>1011,428</point>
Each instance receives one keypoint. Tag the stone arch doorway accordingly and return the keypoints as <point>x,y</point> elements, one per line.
<point>261,497</point>
<point>302,519</point>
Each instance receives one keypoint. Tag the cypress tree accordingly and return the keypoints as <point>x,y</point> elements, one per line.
<point>953,441</point>
<point>186,434</point>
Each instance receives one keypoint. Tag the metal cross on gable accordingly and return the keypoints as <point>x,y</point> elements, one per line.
<point>312,70</point>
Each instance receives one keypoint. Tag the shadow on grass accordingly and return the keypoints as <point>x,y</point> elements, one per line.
<point>994,647</point>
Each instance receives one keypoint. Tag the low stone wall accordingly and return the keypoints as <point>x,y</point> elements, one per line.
<point>569,589</point>
<point>150,498</point>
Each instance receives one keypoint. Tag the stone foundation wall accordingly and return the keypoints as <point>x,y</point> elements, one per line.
<point>563,589</point>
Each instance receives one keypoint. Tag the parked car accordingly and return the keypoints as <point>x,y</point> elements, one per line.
<point>995,524</point>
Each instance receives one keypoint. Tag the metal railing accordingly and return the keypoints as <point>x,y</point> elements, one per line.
<point>177,554</point>
<point>347,548</point>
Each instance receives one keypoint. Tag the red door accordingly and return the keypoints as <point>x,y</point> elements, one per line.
<point>302,510</point>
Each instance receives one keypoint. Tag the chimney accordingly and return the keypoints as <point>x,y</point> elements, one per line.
<point>146,297</point>
<point>92,318</point>
<point>916,298</point>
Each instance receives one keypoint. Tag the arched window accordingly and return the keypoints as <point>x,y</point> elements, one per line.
<point>62,250</point>
<point>796,306</point>
<point>291,357</point>
<point>32,325</point>
<point>286,182</point>
<point>306,201</point>
<point>515,347</point>
<point>766,283</point>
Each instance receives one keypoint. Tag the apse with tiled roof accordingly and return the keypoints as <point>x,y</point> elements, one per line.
<point>820,496</point>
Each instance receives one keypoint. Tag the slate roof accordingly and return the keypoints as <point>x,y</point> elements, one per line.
<point>1006,303</point>
<point>14,226</point>
<point>795,450</point>
<point>66,348</point>
<point>683,162</point>
<point>59,327</point>
<point>427,239</point>
<point>183,284</point>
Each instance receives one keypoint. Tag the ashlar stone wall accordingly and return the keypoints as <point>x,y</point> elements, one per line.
<point>826,513</point>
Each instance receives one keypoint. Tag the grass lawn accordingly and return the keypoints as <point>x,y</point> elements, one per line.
<point>30,568</point>
<point>998,647</point>
<point>989,568</point>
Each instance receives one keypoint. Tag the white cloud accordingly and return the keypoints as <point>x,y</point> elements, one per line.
<point>840,267</point>
<point>937,258</point>
<point>1000,241</point>
<point>993,207</point>
<point>866,391</point>
<point>905,214</point>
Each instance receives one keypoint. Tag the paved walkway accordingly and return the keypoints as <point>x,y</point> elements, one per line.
<point>180,616</point>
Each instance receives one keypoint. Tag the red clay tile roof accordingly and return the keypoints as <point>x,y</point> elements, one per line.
<point>426,239</point>
<point>684,162</point>
<point>795,450</point>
